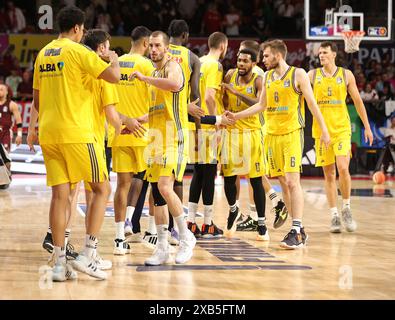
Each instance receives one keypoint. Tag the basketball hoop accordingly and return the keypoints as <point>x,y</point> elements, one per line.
<point>352,39</point>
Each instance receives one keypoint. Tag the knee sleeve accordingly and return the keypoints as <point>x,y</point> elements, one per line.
<point>139,175</point>
<point>158,199</point>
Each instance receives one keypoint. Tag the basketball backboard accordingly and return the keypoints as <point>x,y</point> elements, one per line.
<point>326,19</point>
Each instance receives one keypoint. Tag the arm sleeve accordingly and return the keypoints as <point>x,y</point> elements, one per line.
<point>204,120</point>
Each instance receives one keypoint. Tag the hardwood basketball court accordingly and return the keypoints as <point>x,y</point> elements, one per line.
<point>333,266</point>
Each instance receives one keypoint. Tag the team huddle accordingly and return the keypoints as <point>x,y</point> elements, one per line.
<point>160,113</point>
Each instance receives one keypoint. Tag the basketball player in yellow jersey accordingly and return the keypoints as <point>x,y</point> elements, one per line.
<point>205,159</point>
<point>331,85</point>
<point>127,149</point>
<point>250,222</point>
<point>62,96</point>
<point>178,32</point>
<point>282,97</point>
<point>242,143</point>
<point>167,153</point>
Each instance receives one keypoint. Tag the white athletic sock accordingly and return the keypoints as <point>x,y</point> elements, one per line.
<point>90,245</point>
<point>233,207</point>
<point>334,212</point>
<point>60,254</point>
<point>151,225</point>
<point>120,230</point>
<point>238,203</point>
<point>66,236</point>
<point>208,214</point>
<point>192,210</point>
<point>261,221</point>
<point>297,224</point>
<point>253,214</point>
<point>129,213</point>
<point>273,197</point>
<point>162,235</point>
<point>346,203</point>
<point>182,226</point>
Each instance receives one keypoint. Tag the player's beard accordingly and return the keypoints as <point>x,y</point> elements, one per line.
<point>245,72</point>
<point>158,58</point>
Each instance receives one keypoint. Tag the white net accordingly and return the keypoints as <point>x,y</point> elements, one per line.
<point>352,39</point>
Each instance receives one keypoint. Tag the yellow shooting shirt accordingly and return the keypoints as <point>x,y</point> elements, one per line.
<point>258,70</point>
<point>62,73</point>
<point>235,104</point>
<point>331,94</point>
<point>104,94</point>
<point>133,96</point>
<point>285,104</point>
<point>211,74</point>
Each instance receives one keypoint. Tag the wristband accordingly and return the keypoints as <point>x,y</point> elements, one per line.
<point>218,120</point>
<point>19,134</point>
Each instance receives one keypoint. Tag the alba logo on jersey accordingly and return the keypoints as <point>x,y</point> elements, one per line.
<point>51,67</point>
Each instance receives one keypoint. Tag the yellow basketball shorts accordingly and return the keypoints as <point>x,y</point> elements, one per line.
<point>242,153</point>
<point>203,146</point>
<point>340,146</point>
<point>166,166</point>
<point>128,159</point>
<point>73,162</point>
<point>284,153</point>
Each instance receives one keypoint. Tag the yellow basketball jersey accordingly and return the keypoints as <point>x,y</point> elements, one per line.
<point>62,74</point>
<point>133,95</point>
<point>168,115</point>
<point>211,74</point>
<point>331,94</point>
<point>182,55</point>
<point>235,104</point>
<point>285,104</point>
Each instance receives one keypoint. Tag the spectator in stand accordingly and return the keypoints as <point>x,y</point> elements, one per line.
<point>13,80</point>
<point>286,9</point>
<point>369,94</point>
<point>187,9</point>
<point>232,21</point>
<point>16,18</point>
<point>9,61</point>
<point>260,23</point>
<point>90,14</point>
<point>4,21</point>
<point>103,20</point>
<point>361,81</point>
<point>212,20</point>
<point>197,19</point>
<point>25,88</point>
<point>386,93</point>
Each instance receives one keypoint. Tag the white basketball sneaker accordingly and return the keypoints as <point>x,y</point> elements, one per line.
<point>160,256</point>
<point>128,228</point>
<point>185,252</point>
<point>348,221</point>
<point>121,247</point>
<point>102,264</point>
<point>62,272</point>
<point>88,266</point>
